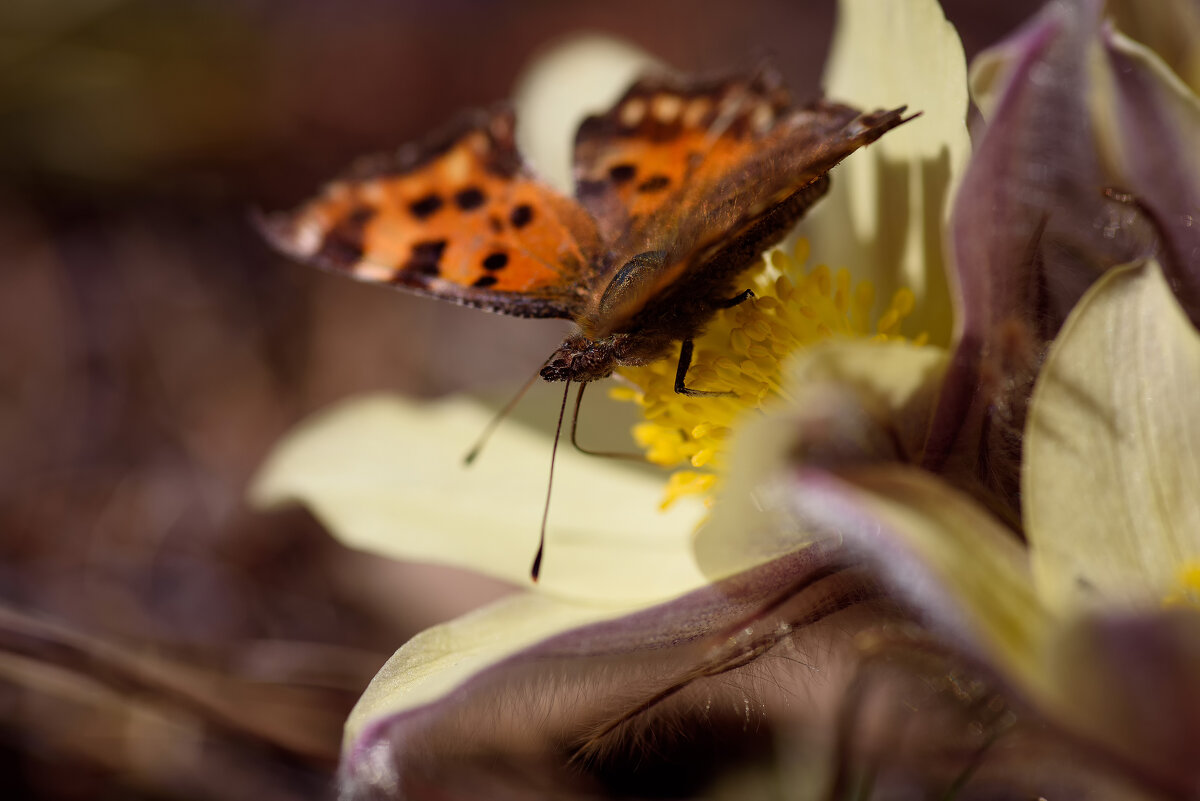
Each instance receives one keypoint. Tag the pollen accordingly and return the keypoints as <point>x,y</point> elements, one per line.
<point>742,355</point>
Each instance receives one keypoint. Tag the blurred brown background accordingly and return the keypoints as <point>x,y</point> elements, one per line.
<point>157,638</point>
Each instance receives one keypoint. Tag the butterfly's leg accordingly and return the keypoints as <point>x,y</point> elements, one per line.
<point>734,301</point>
<point>685,355</point>
<point>685,361</point>
<point>636,457</point>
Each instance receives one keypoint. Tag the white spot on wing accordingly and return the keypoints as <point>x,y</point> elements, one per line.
<point>305,238</point>
<point>632,112</point>
<point>373,271</point>
<point>457,166</point>
<point>666,107</point>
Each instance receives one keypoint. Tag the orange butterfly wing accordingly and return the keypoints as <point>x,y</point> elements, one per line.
<point>667,134</point>
<point>681,168</point>
<point>459,217</point>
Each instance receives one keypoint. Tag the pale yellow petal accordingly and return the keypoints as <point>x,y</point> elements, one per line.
<point>888,203</point>
<point>584,74</point>
<point>988,76</point>
<point>385,475</point>
<point>848,400</point>
<point>1112,447</point>
<point>1171,28</point>
<point>440,659</point>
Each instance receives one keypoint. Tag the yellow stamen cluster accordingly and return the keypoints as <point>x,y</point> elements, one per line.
<point>743,352</point>
<point>1187,587</point>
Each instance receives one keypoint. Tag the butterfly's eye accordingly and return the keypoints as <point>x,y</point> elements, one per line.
<point>631,282</point>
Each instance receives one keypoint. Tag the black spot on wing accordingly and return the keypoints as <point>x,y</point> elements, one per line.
<point>621,173</point>
<point>425,207</point>
<point>495,261</point>
<point>521,216</point>
<point>655,183</point>
<point>469,198</point>
<point>483,282</point>
<point>426,258</point>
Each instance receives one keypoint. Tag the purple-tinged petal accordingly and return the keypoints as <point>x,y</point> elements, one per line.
<point>1170,28</point>
<point>1135,680</point>
<point>1032,227</point>
<point>662,683</point>
<point>939,551</point>
<point>1154,122</point>
<point>1126,689</point>
<point>919,717</point>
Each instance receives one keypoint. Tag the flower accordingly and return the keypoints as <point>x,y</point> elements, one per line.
<point>627,629</point>
<point>1075,109</point>
<point>632,635</point>
<point>744,353</point>
<point>1092,625</point>
<point>639,630</point>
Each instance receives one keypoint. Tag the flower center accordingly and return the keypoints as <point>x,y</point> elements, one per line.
<point>743,352</point>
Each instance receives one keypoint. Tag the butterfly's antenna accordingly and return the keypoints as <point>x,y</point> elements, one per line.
<point>477,448</point>
<point>635,457</point>
<point>537,559</point>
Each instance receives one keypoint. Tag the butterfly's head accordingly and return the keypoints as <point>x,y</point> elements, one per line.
<point>579,358</point>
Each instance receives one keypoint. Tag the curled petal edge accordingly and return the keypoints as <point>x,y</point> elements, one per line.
<point>536,681</point>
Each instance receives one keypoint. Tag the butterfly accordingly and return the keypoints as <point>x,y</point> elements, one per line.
<point>680,187</point>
